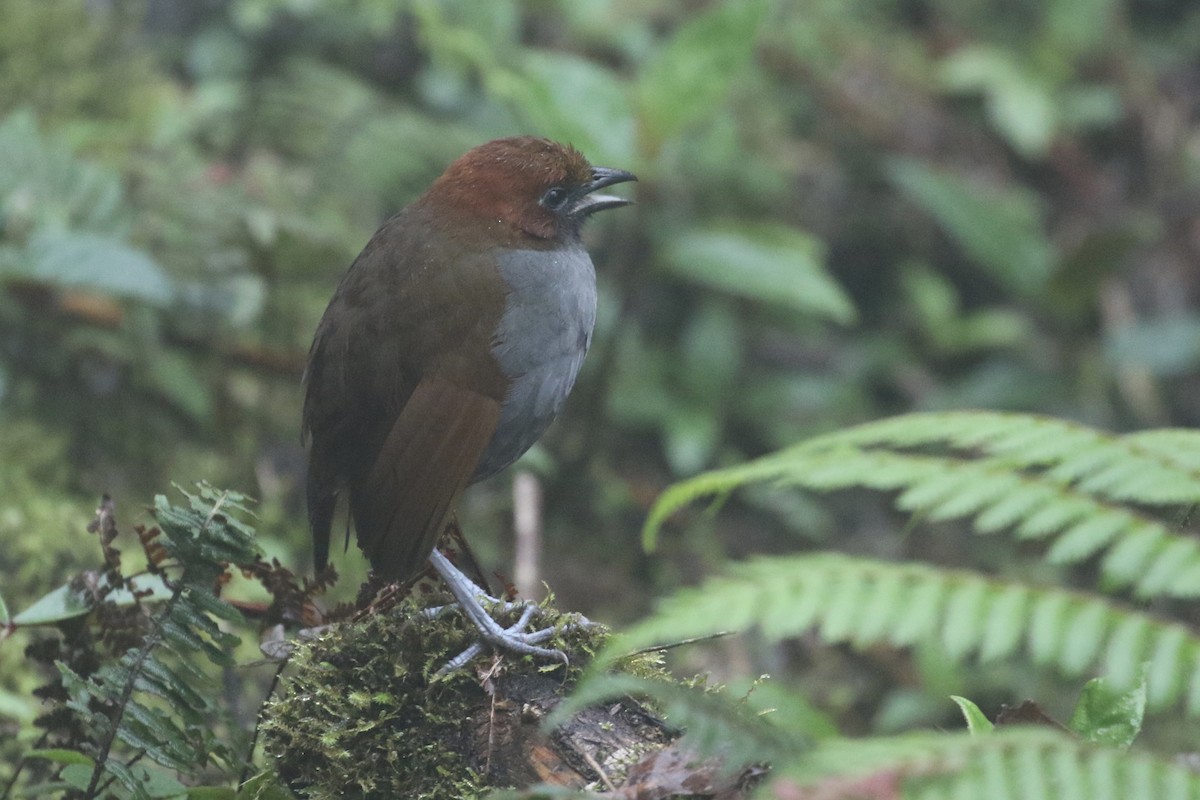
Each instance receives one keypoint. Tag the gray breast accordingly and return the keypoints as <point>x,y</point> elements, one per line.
<point>540,344</point>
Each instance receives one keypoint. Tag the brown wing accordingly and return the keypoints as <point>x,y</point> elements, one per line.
<point>402,393</point>
<point>401,505</point>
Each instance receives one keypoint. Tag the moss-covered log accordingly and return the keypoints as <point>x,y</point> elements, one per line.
<point>362,713</point>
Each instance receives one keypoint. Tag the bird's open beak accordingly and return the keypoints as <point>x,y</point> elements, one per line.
<point>589,203</point>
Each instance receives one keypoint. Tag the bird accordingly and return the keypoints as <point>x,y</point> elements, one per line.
<point>448,347</point>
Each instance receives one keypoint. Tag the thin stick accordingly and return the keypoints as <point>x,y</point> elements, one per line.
<point>654,648</point>
<point>527,524</point>
<point>258,723</point>
<point>594,764</point>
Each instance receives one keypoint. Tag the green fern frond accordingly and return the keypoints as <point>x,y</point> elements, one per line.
<point>165,711</point>
<point>1134,468</point>
<point>865,602</point>
<point>1040,477</point>
<point>1024,762</point>
<point>1180,447</point>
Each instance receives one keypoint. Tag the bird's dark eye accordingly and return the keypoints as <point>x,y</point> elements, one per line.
<point>554,198</point>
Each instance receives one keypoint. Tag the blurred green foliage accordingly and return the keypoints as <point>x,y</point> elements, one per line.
<point>845,210</point>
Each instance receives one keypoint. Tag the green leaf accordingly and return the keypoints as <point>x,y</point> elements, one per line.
<point>159,783</point>
<point>68,602</point>
<point>1107,717</point>
<point>77,775</point>
<point>65,602</point>
<point>62,756</point>
<point>977,723</point>
<point>1006,622</point>
<point>92,261</point>
<point>949,609</point>
<point>690,77</point>
<point>1019,103</point>
<point>961,631</point>
<point>127,776</point>
<point>210,603</point>
<point>143,782</point>
<point>999,227</point>
<point>1026,762</point>
<point>159,679</point>
<point>769,263</point>
<point>156,732</point>
<point>1041,476</point>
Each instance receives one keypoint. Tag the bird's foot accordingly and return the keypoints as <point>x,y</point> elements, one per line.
<point>513,638</point>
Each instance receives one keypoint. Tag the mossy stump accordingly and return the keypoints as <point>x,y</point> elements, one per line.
<point>362,714</point>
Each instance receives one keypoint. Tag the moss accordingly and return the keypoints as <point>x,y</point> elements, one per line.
<point>363,714</point>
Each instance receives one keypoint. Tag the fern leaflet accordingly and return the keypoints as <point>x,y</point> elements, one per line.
<point>1083,490</point>
<point>866,602</point>
<point>1025,762</point>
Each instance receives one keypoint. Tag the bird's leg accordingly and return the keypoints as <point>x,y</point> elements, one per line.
<point>463,658</point>
<point>514,638</point>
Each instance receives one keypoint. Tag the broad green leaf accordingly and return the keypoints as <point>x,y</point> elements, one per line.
<point>999,227</point>
<point>91,261</point>
<point>1107,717</point>
<point>67,602</point>
<point>62,756</point>
<point>977,723</point>
<point>158,783</point>
<point>1020,104</point>
<point>77,775</point>
<point>144,782</point>
<point>773,264</point>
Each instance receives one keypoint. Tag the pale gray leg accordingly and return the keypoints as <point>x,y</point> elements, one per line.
<point>514,638</point>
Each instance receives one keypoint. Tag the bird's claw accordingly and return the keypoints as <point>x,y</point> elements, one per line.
<point>514,638</point>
